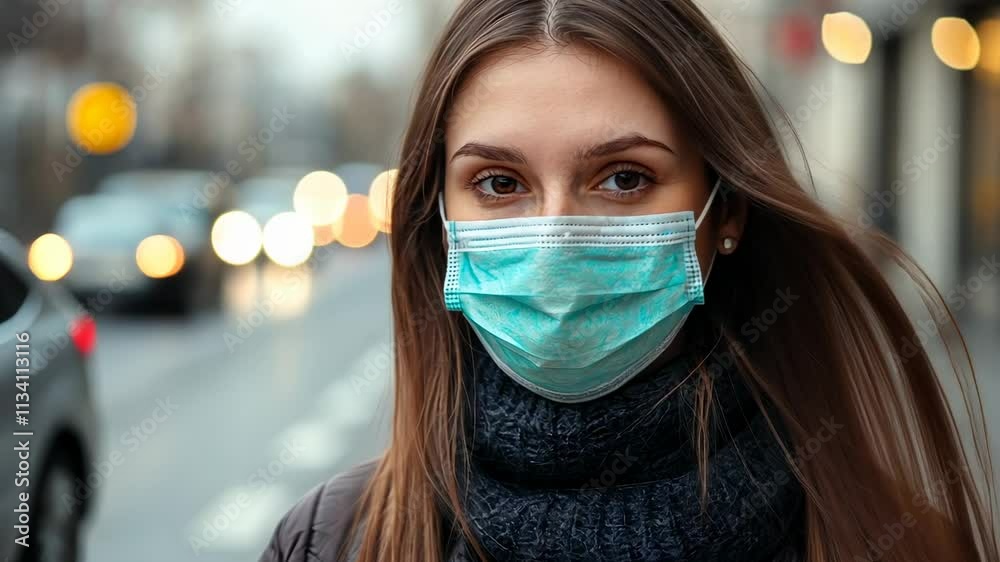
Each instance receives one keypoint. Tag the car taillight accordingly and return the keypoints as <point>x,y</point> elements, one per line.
<point>83,332</point>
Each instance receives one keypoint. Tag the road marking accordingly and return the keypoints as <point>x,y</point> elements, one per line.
<point>319,441</point>
<point>241,518</point>
<point>317,447</point>
<point>353,399</point>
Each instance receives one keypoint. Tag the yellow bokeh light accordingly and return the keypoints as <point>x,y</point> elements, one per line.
<point>159,256</point>
<point>355,229</point>
<point>321,196</point>
<point>847,37</point>
<point>236,237</point>
<point>50,257</point>
<point>288,239</point>
<point>956,43</point>
<point>380,199</point>
<point>989,43</point>
<point>101,117</point>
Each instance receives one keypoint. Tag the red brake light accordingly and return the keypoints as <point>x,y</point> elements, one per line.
<point>83,332</point>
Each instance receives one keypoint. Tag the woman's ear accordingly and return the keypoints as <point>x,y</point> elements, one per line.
<point>732,220</point>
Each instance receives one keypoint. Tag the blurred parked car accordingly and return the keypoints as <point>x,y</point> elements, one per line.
<point>59,475</point>
<point>191,190</point>
<point>269,193</point>
<point>148,233</point>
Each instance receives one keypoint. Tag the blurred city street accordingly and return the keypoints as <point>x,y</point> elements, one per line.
<point>195,209</point>
<point>299,399</point>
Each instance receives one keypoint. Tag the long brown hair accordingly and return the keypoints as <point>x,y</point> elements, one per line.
<point>895,482</point>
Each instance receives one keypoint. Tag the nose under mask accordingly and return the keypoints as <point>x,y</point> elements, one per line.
<point>572,307</point>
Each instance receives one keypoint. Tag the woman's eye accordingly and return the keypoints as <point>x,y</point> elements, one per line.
<point>625,181</point>
<point>499,185</point>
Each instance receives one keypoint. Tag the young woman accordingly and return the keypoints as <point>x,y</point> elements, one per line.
<point>624,331</point>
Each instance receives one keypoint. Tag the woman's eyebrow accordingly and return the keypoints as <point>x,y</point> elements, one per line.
<point>491,152</point>
<point>620,144</point>
<point>511,154</point>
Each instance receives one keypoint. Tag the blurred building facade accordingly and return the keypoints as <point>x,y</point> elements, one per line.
<point>206,78</point>
<point>903,142</point>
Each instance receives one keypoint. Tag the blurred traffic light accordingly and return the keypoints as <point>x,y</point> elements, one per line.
<point>101,117</point>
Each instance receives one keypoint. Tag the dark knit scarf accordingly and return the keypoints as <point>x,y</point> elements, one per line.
<point>616,478</point>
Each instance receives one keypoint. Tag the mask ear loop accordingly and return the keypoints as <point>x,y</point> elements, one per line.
<point>708,204</point>
<point>704,213</point>
<point>441,206</point>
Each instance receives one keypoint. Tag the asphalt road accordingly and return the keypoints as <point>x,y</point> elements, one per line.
<point>224,420</point>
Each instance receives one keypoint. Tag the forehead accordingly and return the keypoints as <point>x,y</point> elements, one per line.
<point>541,93</point>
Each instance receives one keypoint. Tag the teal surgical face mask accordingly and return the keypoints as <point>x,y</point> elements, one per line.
<point>572,307</point>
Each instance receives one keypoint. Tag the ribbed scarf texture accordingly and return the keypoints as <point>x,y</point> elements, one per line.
<point>616,479</point>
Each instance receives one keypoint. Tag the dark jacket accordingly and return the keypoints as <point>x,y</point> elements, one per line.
<point>313,529</point>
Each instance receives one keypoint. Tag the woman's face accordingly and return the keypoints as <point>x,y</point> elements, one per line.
<point>568,131</point>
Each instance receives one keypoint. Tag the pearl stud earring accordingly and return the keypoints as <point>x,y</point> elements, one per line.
<point>728,243</point>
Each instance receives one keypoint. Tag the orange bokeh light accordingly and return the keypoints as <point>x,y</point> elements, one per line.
<point>323,234</point>
<point>356,229</point>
